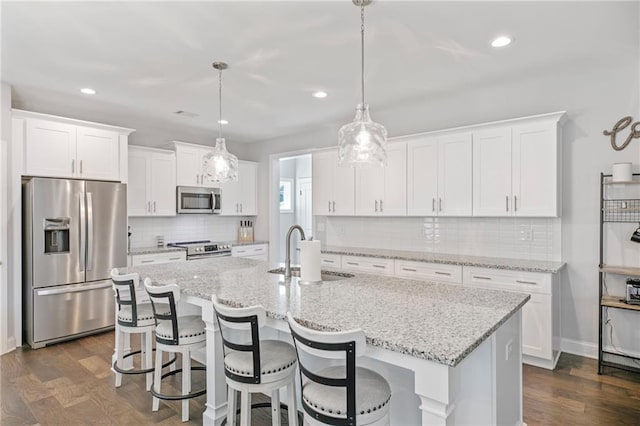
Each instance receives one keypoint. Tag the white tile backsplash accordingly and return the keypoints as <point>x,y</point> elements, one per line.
<point>522,238</point>
<point>183,228</point>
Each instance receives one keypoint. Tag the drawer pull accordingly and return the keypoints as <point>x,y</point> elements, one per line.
<point>241,251</point>
<point>478,277</point>
<point>443,273</point>
<point>352,263</point>
<point>526,282</point>
<point>175,258</point>
<point>328,261</point>
<point>379,266</point>
<point>409,269</point>
<point>147,261</point>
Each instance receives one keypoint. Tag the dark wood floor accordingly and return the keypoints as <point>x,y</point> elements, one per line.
<point>71,384</point>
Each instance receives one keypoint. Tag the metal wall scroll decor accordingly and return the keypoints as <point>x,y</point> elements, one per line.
<point>622,124</point>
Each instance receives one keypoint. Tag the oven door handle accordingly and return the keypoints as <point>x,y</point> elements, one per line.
<point>208,256</point>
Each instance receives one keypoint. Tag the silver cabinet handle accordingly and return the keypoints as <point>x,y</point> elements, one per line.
<point>73,166</point>
<point>329,206</point>
<point>237,208</point>
<point>515,203</point>
<point>439,204</point>
<point>147,261</point>
<point>381,209</point>
<point>154,206</point>
<point>241,251</point>
<point>352,263</point>
<point>175,258</point>
<point>328,261</point>
<point>409,270</point>
<point>433,204</point>
<point>197,178</point>
<point>376,206</point>
<point>507,202</point>
<point>80,166</point>
<point>82,287</point>
<point>240,207</point>
<point>443,273</point>
<point>148,206</point>
<point>334,206</point>
<point>526,282</point>
<point>379,266</point>
<point>83,231</point>
<point>89,231</point>
<point>478,277</point>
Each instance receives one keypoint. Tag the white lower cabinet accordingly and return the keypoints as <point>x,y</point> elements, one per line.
<point>540,315</point>
<point>251,251</point>
<point>155,258</point>
<point>429,271</point>
<point>370,265</point>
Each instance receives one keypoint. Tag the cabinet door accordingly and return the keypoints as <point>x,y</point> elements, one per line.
<point>454,175</point>
<point>231,197</point>
<point>536,327</point>
<point>322,182</point>
<point>138,197</point>
<point>394,200</point>
<point>248,177</point>
<point>343,190</point>
<point>50,149</point>
<point>369,190</point>
<point>492,172</point>
<point>163,184</point>
<point>98,154</point>
<point>535,170</point>
<point>188,166</point>
<point>422,177</point>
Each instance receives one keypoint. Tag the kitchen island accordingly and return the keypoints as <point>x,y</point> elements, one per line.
<point>451,354</point>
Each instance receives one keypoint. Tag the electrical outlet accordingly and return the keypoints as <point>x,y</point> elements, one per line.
<point>526,234</point>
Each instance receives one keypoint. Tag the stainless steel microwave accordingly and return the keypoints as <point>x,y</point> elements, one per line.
<point>198,200</point>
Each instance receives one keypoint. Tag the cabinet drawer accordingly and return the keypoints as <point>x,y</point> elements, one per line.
<point>155,258</point>
<point>370,265</point>
<point>429,271</point>
<point>524,282</point>
<point>331,260</point>
<point>253,251</point>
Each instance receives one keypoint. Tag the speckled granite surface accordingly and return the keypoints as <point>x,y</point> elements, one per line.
<point>151,250</point>
<point>436,322</point>
<point>451,259</point>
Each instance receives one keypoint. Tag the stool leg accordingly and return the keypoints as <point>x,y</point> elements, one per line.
<point>245,408</point>
<point>186,383</point>
<point>275,407</point>
<point>148,357</point>
<point>231,406</point>
<point>119,354</point>
<point>292,409</point>
<point>157,376</point>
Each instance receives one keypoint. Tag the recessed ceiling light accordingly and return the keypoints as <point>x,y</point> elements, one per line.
<point>501,41</point>
<point>88,91</point>
<point>320,94</point>
<point>223,122</point>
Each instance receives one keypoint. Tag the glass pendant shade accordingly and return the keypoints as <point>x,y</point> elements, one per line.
<point>220,165</point>
<point>362,143</point>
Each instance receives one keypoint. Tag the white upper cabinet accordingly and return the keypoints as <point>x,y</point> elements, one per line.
<point>333,186</point>
<point>516,168</point>
<point>382,191</point>
<point>66,148</point>
<point>439,175</point>
<point>240,198</point>
<point>151,190</point>
<point>189,165</point>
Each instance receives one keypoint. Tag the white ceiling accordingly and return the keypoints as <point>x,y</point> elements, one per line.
<point>147,60</point>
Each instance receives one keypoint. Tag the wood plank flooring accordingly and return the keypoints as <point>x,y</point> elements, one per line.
<point>71,384</point>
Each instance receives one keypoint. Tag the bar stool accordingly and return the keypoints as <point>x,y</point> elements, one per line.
<point>338,395</point>
<point>174,334</point>
<point>262,366</point>
<point>132,318</point>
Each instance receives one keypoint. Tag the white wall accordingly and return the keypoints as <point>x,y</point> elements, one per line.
<point>7,291</point>
<point>595,94</point>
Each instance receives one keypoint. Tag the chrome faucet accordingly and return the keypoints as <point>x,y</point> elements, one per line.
<point>287,260</point>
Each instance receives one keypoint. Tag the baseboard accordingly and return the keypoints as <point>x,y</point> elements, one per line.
<point>11,345</point>
<point>577,347</point>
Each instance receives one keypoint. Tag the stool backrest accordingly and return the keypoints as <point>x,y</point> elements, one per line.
<point>239,329</point>
<point>163,301</point>
<point>124,287</point>
<point>312,347</point>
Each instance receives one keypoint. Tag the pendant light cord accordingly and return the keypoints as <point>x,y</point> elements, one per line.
<point>362,47</point>
<point>220,103</point>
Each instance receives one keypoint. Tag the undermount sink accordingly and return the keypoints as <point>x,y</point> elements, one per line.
<point>325,275</point>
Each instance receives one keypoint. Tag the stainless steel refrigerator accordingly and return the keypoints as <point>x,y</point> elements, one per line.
<point>74,233</point>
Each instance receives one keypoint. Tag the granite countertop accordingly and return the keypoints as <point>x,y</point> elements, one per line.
<point>451,259</point>
<point>437,322</point>
<point>247,243</point>
<point>152,250</point>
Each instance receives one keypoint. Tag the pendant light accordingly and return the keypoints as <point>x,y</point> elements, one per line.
<point>220,165</point>
<point>362,143</point>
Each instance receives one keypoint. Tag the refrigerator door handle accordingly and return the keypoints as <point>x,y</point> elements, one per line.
<point>83,234</point>
<point>89,231</point>
<point>67,289</point>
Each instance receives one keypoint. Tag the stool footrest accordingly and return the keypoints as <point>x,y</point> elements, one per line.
<point>140,371</point>
<point>192,394</point>
<point>265,405</point>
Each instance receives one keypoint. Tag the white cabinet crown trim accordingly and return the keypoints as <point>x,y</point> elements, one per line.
<point>66,120</point>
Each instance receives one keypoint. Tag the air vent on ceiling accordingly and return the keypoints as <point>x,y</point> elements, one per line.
<point>186,113</point>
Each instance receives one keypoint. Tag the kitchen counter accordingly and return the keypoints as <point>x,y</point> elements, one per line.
<point>153,250</point>
<point>437,322</point>
<point>246,243</point>
<point>451,259</point>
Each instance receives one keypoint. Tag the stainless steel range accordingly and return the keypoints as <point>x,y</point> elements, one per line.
<point>203,249</point>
